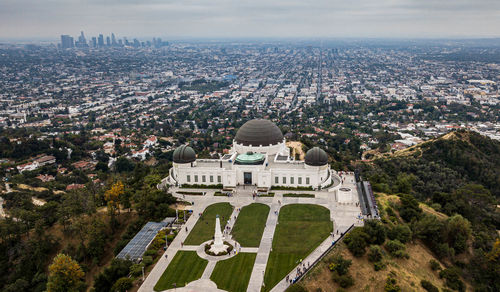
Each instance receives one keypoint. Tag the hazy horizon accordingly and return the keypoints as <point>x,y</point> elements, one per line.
<point>223,19</point>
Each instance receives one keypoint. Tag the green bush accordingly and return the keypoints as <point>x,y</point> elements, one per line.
<point>452,277</point>
<point>340,265</point>
<point>122,285</point>
<point>190,193</point>
<point>147,260</point>
<point>150,252</point>
<point>375,254</point>
<point>391,284</point>
<point>434,265</point>
<point>345,281</point>
<point>377,266</point>
<point>296,288</point>
<point>201,186</point>
<point>375,231</point>
<point>428,286</point>
<point>356,242</point>
<point>118,269</point>
<point>401,232</point>
<point>136,269</point>
<point>400,254</point>
<point>409,208</point>
<point>284,188</point>
<point>396,249</point>
<point>390,211</point>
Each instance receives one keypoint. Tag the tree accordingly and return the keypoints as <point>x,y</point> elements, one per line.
<point>116,270</point>
<point>340,265</point>
<point>101,166</point>
<point>122,285</point>
<point>65,274</point>
<point>375,231</point>
<point>356,242</point>
<point>428,286</point>
<point>404,183</point>
<point>122,164</point>
<point>396,248</point>
<point>375,254</point>
<point>459,231</point>
<point>400,232</point>
<point>112,197</point>
<point>409,208</point>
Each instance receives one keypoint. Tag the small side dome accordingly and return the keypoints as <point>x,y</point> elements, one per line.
<point>184,154</point>
<point>316,157</point>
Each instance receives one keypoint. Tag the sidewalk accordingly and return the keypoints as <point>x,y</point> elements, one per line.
<point>259,268</point>
<point>174,246</point>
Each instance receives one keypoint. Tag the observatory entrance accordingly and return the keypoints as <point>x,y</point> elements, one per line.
<point>247,178</point>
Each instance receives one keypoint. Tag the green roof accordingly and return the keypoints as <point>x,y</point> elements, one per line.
<point>250,158</point>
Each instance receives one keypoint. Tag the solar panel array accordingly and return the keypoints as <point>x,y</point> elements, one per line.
<point>137,246</point>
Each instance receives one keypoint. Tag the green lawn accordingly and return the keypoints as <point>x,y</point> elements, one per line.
<point>205,227</point>
<point>185,267</point>
<point>250,224</point>
<point>301,229</point>
<point>233,274</point>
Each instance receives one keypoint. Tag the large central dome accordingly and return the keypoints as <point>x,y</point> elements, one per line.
<point>259,132</point>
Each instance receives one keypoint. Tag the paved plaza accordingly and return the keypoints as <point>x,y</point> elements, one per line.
<point>342,215</point>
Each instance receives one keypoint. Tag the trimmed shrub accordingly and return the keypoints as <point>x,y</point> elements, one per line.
<point>147,260</point>
<point>150,252</point>
<point>201,186</point>
<point>209,245</point>
<point>136,269</point>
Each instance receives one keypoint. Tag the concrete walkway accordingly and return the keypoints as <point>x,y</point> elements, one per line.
<point>172,249</point>
<point>259,267</point>
<point>208,270</point>
<point>342,215</point>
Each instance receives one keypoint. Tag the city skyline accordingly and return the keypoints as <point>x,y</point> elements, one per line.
<point>268,19</point>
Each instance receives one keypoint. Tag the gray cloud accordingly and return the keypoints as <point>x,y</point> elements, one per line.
<point>251,18</point>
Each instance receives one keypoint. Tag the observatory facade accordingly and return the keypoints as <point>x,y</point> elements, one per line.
<point>259,157</point>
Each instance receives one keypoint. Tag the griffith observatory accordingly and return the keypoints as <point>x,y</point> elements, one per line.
<point>258,157</point>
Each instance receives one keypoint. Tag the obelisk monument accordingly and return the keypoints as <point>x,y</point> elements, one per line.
<point>218,245</point>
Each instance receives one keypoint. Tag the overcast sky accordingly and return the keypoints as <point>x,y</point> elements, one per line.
<point>250,18</point>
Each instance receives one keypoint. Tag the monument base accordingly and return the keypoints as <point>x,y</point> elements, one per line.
<point>218,250</point>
